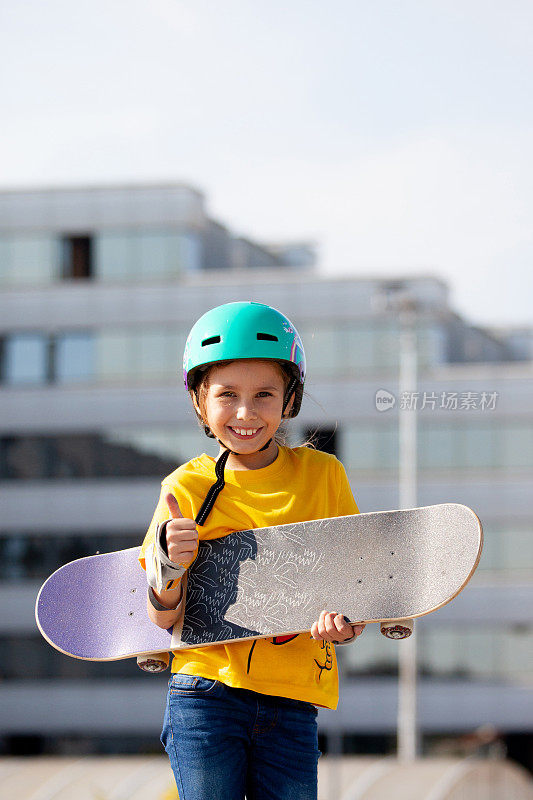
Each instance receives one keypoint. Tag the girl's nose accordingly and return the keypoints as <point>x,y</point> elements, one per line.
<point>246,410</point>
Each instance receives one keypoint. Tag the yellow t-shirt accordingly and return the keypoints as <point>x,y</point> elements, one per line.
<point>301,484</point>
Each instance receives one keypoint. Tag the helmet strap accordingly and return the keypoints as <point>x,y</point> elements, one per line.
<point>214,491</point>
<point>288,394</point>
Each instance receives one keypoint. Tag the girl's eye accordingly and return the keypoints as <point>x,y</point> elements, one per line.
<point>264,394</point>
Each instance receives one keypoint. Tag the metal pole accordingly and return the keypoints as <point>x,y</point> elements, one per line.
<point>407,657</point>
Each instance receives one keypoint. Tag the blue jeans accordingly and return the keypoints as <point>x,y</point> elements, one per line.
<point>225,744</point>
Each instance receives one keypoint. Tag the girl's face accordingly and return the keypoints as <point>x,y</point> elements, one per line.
<point>243,407</point>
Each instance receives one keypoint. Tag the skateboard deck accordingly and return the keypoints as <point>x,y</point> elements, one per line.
<point>267,582</point>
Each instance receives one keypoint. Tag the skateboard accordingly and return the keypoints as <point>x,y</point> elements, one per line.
<point>387,567</point>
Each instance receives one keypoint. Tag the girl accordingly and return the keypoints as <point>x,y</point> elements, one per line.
<point>241,717</point>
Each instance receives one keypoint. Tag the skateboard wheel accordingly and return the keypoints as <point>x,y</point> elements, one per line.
<point>397,630</point>
<point>157,663</point>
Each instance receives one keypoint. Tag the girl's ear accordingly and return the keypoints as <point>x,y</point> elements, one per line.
<point>194,399</point>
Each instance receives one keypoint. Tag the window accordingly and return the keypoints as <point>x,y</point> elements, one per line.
<point>39,358</point>
<point>142,255</point>
<point>437,446</point>
<point>507,548</point>
<point>157,354</point>
<point>76,257</point>
<point>370,447</point>
<point>372,655</point>
<point>17,652</point>
<point>37,555</point>
<point>325,348</point>
<point>475,445</point>
<point>516,448</point>
<point>91,455</point>
<point>29,259</point>
<point>26,359</point>
<point>360,349</point>
<point>139,355</point>
<point>74,357</point>
<point>175,444</point>
<point>476,653</point>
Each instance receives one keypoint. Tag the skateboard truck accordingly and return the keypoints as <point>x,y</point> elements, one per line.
<point>157,662</point>
<point>397,630</point>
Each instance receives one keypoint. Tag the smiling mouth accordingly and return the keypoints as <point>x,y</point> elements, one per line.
<point>245,433</point>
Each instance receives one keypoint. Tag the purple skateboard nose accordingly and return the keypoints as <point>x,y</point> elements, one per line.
<point>98,594</point>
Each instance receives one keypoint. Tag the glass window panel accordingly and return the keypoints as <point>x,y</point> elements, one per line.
<point>177,444</point>
<point>26,359</point>
<point>372,654</point>
<point>517,549</point>
<point>387,347</point>
<point>440,651</point>
<point>369,447</point>
<point>115,356</point>
<point>136,255</point>
<point>491,557</point>
<point>516,445</point>
<point>191,252</point>
<point>431,344</point>
<point>324,348</point>
<point>5,267</point>
<point>464,652</point>
<point>386,447</point>
<point>154,255</point>
<point>157,354</point>
<point>166,254</point>
<point>358,447</point>
<point>481,652</point>
<point>24,458</point>
<point>360,348</point>
<point>478,446</point>
<point>91,455</point>
<point>75,357</point>
<point>477,652</point>
<point>437,446</point>
<point>28,259</point>
<point>515,653</point>
<point>116,257</point>
<point>145,355</point>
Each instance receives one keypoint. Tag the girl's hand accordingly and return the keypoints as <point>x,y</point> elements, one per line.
<point>332,627</point>
<point>181,533</point>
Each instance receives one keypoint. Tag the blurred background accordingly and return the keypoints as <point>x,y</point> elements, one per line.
<point>339,163</point>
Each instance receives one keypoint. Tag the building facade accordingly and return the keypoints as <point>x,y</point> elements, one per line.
<point>99,289</point>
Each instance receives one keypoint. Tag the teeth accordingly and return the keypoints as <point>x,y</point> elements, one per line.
<point>246,431</point>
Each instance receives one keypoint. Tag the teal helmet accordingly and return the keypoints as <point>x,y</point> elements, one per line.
<point>245,330</point>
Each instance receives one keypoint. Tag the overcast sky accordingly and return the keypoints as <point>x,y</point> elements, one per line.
<point>398,134</point>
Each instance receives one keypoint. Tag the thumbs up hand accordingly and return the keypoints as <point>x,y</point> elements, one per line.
<point>181,534</point>
<point>173,549</point>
